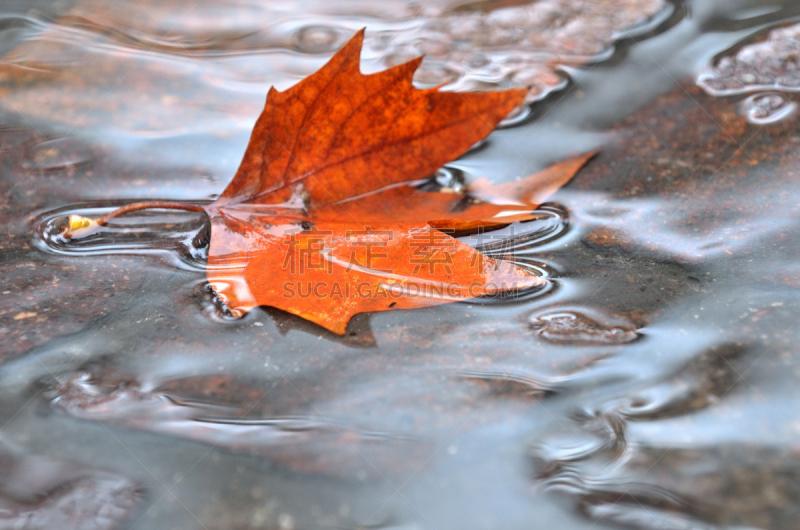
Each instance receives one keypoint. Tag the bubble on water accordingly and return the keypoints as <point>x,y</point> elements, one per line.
<point>764,108</point>
<point>447,179</point>
<point>317,39</point>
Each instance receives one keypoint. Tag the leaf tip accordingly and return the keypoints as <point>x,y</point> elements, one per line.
<point>339,328</point>
<point>515,97</point>
<point>413,65</point>
<point>580,161</point>
<point>354,45</point>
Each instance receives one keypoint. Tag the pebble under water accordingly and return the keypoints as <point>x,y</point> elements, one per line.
<point>653,385</point>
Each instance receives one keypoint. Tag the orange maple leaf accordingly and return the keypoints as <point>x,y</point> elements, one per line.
<point>322,218</point>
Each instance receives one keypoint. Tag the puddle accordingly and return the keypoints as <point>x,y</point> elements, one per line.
<point>651,384</point>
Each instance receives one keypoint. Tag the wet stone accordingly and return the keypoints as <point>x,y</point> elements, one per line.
<point>572,327</point>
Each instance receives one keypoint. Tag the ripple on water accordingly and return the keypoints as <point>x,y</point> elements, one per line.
<point>307,444</point>
<point>619,475</point>
<point>768,107</point>
<point>516,382</point>
<point>519,241</point>
<point>38,492</point>
<point>181,239</point>
<point>575,327</point>
<point>58,153</point>
<point>172,236</point>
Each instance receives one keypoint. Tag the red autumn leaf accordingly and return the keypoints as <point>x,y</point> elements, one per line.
<point>314,221</point>
<point>322,218</point>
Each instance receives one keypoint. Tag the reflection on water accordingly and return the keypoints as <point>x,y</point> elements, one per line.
<point>652,385</point>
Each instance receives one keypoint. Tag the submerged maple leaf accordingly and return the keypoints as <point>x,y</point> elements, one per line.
<point>322,219</point>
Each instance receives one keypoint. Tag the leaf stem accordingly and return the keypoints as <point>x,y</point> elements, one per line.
<point>164,205</point>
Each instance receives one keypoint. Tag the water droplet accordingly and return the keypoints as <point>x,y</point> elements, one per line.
<point>448,180</point>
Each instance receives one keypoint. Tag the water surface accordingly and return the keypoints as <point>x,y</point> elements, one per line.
<point>653,386</point>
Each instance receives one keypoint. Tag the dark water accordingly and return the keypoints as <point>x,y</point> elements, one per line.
<point>654,385</point>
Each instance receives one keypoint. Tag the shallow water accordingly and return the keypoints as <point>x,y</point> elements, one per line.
<point>653,386</point>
